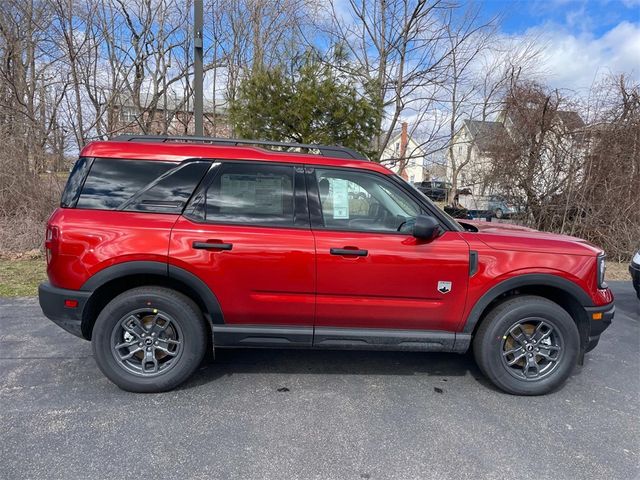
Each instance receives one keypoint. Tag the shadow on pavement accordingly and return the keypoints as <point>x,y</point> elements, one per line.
<point>334,362</point>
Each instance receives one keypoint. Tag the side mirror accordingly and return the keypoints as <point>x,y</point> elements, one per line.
<point>426,227</point>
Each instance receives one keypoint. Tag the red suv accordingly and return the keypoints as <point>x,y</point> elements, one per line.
<point>164,248</point>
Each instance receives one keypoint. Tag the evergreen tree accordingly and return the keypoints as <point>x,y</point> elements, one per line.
<point>312,102</point>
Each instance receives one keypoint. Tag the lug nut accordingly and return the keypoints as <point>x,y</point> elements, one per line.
<point>140,344</point>
<point>148,349</point>
<point>156,343</point>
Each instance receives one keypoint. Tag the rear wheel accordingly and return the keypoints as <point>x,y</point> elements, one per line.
<point>527,345</point>
<point>149,339</point>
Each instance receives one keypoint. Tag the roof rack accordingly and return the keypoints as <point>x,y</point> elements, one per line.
<point>335,151</point>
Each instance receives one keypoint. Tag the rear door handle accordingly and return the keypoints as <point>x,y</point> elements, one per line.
<point>212,246</point>
<point>351,252</point>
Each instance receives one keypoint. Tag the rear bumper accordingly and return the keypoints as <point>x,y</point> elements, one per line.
<point>596,327</point>
<point>52,302</point>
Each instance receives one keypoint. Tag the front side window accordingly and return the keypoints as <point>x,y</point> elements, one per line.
<point>251,194</point>
<point>363,202</point>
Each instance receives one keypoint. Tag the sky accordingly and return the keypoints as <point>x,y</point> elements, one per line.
<point>581,39</point>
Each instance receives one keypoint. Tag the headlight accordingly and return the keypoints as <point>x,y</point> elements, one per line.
<point>636,258</point>
<point>602,267</point>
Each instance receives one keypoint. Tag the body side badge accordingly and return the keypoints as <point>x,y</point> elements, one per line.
<point>444,287</point>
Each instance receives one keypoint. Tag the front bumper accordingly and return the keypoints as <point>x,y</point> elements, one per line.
<point>596,327</point>
<point>52,301</point>
<point>634,270</point>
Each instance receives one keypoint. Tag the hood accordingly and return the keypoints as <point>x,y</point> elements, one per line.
<point>504,236</point>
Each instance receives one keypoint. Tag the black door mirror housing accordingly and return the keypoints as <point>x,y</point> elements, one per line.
<point>426,227</point>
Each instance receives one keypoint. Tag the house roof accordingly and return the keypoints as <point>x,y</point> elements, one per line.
<point>484,133</point>
<point>571,120</point>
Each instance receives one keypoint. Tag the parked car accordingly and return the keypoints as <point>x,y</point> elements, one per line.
<point>434,189</point>
<point>501,208</point>
<point>634,270</point>
<point>166,248</point>
<point>486,205</point>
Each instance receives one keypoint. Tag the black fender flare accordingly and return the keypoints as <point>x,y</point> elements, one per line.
<point>125,269</point>
<point>526,280</point>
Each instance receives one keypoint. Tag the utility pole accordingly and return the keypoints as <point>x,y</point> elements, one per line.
<point>198,74</point>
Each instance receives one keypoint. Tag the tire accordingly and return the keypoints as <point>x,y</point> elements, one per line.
<point>161,331</point>
<point>512,331</point>
<point>499,213</point>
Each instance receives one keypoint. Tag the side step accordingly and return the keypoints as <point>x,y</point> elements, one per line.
<point>259,336</point>
<point>387,339</point>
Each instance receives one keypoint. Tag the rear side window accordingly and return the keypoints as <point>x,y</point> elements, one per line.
<point>138,185</point>
<point>251,194</point>
<point>171,192</point>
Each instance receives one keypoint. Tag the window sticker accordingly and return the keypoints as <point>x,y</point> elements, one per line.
<point>340,198</point>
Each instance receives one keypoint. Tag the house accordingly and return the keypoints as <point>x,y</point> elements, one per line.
<point>406,157</point>
<point>170,115</point>
<point>473,145</point>
<point>470,153</point>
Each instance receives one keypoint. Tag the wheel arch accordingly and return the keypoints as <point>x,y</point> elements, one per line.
<point>116,279</point>
<point>563,292</point>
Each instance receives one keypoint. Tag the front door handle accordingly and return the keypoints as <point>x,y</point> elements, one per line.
<point>212,246</point>
<point>349,252</point>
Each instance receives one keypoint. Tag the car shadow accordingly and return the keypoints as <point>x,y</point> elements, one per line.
<point>334,362</point>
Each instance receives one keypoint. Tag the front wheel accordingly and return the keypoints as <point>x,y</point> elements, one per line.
<point>527,345</point>
<point>149,339</point>
<point>499,213</point>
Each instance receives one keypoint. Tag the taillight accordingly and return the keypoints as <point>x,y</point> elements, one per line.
<point>50,241</point>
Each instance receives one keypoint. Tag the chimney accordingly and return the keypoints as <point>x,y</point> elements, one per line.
<point>404,140</point>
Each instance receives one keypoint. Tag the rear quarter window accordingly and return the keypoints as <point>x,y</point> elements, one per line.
<point>132,185</point>
<point>75,181</point>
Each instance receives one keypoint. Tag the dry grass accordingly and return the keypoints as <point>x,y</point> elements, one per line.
<point>20,277</point>
<point>617,271</point>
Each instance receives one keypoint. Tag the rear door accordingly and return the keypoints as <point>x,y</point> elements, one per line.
<point>371,271</point>
<point>246,235</point>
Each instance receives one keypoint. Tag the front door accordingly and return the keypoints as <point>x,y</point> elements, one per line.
<point>371,271</point>
<point>246,235</point>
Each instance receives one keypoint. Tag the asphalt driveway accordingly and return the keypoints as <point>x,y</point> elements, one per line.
<point>307,414</point>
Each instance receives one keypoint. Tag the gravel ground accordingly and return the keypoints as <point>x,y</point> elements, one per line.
<point>313,414</point>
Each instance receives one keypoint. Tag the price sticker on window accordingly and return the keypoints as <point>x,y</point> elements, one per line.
<point>340,198</point>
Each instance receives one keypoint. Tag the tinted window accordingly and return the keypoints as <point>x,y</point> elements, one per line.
<point>361,201</point>
<point>250,193</point>
<point>171,192</point>
<point>111,183</point>
<point>75,181</point>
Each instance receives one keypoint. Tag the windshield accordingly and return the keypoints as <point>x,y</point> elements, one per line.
<point>453,221</point>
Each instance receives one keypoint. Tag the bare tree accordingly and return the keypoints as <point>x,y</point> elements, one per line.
<point>481,71</point>
<point>398,50</point>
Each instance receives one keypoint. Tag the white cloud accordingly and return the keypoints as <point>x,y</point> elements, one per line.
<point>575,61</point>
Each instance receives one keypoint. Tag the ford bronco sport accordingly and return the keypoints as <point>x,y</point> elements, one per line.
<point>166,248</point>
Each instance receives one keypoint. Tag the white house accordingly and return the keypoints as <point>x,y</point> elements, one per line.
<point>474,141</point>
<point>406,157</point>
